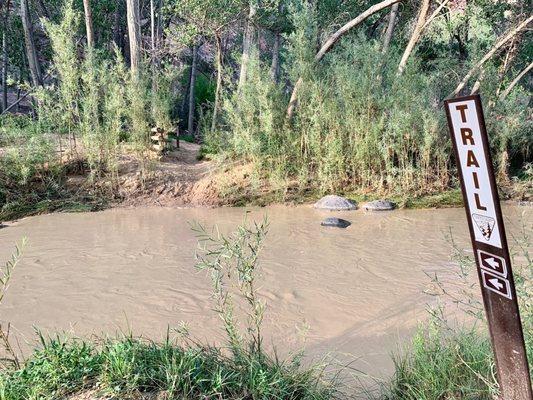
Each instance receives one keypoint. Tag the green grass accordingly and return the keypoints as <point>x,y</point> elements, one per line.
<point>187,138</point>
<point>446,199</point>
<point>127,366</point>
<point>449,198</point>
<point>444,364</point>
<point>25,207</point>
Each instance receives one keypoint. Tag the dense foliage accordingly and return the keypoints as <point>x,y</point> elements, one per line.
<point>359,125</point>
<point>365,114</point>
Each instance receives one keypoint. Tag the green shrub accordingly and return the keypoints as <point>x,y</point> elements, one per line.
<point>445,364</point>
<point>358,126</point>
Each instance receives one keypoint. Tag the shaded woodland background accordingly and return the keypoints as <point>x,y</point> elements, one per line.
<point>319,95</point>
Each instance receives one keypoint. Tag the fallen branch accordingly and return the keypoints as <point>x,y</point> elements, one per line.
<point>22,97</point>
<point>511,34</point>
<point>435,13</point>
<point>477,85</point>
<point>327,46</point>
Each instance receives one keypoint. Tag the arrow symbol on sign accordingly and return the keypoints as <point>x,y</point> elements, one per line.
<point>492,262</point>
<point>496,283</point>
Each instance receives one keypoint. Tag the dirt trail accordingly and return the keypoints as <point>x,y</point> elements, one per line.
<point>169,183</point>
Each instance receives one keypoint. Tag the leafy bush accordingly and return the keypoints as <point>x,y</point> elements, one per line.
<point>359,127</point>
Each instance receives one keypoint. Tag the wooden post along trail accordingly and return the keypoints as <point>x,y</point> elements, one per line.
<point>487,231</point>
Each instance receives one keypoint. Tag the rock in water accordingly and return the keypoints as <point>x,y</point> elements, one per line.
<point>336,222</point>
<point>379,205</point>
<point>335,203</point>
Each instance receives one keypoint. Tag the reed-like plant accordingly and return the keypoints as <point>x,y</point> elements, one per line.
<point>6,273</point>
<point>232,262</point>
<point>451,357</point>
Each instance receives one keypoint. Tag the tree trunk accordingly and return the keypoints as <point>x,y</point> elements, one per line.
<point>247,41</point>
<point>186,91</point>
<point>117,31</point>
<point>153,44</point>
<point>390,28</point>
<point>219,83</point>
<point>159,26</point>
<point>5,60</point>
<point>512,33</point>
<point>134,32</point>
<point>155,39</point>
<point>3,105</point>
<point>31,52</point>
<point>477,84</point>
<point>190,126</point>
<point>515,81</point>
<point>89,23</point>
<point>509,57</point>
<point>152,28</point>
<point>274,69</point>
<point>18,100</point>
<point>328,45</point>
<point>415,37</point>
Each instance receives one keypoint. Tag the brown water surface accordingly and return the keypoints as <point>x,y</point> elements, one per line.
<point>353,293</point>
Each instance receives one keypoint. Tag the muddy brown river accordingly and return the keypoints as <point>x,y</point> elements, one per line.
<point>353,294</point>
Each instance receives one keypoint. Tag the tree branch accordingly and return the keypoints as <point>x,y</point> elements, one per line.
<point>511,86</point>
<point>424,8</point>
<point>512,33</point>
<point>328,45</point>
<point>435,13</point>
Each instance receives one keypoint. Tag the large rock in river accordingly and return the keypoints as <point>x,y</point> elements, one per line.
<point>336,222</point>
<point>379,205</point>
<point>335,203</point>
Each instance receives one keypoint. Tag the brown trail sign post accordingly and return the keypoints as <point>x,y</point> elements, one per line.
<point>483,212</point>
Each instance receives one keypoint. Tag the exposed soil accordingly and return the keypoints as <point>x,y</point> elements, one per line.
<point>180,179</point>
<point>93,395</point>
<point>170,179</point>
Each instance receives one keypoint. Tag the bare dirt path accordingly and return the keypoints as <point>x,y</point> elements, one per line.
<point>169,182</point>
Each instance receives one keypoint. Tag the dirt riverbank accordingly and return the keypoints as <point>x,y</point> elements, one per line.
<point>182,179</point>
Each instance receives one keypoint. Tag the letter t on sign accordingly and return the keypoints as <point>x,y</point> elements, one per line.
<point>487,232</point>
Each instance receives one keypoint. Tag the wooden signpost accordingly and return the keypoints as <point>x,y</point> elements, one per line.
<point>483,212</point>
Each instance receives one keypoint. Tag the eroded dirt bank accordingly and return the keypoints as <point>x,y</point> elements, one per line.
<point>181,179</point>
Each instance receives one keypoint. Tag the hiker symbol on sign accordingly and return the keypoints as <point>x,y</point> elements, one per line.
<point>485,225</point>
